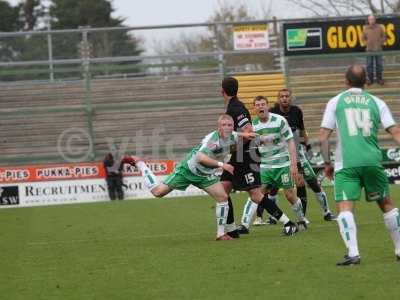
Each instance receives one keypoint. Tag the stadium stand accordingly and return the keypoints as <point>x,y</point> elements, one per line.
<point>312,91</point>
<point>267,85</point>
<point>181,109</point>
<point>160,116</point>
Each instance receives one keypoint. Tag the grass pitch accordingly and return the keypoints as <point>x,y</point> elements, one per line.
<point>165,249</point>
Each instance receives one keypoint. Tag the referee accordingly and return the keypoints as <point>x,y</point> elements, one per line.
<point>246,175</point>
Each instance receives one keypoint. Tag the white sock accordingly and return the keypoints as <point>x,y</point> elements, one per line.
<point>248,212</point>
<point>284,219</point>
<point>348,231</point>
<point>323,201</point>
<point>221,212</point>
<point>150,180</point>
<point>298,210</point>
<point>392,222</point>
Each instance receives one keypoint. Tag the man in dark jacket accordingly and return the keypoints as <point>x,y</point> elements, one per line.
<point>113,166</point>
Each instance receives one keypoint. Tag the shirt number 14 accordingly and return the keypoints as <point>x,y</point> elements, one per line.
<point>358,118</point>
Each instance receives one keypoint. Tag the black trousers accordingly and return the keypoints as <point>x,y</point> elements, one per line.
<point>114,186</point>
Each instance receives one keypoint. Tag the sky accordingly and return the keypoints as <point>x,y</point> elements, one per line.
<point>156,12</point>
<point>150,12</point>
<point>165,12</point>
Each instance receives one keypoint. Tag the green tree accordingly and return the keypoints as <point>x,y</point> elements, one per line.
<point>90,13</point>
<point>31,12</point>
<point>64,14</point>
<point>23,16</point>
<point>9,21</point>
<point>31,17</point>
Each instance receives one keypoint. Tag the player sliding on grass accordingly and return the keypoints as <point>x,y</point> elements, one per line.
<point>278,160</point>
<point>357,115</point>
<point>198,169</point>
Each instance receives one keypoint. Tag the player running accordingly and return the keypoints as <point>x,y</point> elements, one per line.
<point>356,115</point>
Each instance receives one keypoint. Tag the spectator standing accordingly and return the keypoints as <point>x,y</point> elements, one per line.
<point>113,165</point>
<point>374,37</point>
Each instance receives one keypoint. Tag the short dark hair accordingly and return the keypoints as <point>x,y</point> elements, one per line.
<point>258,98</point>
<point>356,76</point>
<point>284,90</point>
<point>230,86</point>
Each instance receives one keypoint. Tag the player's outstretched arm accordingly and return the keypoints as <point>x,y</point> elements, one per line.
<point>212,163</point>
<point>248,135</point>
<point>246,132</point>
<point>395,133</point>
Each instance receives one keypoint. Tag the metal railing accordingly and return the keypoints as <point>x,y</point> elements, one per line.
<point>58,60</point>
<point>52,48</point>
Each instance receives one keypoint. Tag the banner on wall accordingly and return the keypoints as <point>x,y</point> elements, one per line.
<point>75,183</point>
<point>76,191</point>
<point>339,36</point>
<point>85,182</point>
<point>74,171</point>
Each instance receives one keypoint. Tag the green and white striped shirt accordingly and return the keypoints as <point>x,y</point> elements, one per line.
<point>214,147</point>
<point>274,153</point>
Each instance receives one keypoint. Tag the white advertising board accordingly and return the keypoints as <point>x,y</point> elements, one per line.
<point>76,191</point>
<point>250,37</point>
